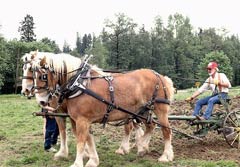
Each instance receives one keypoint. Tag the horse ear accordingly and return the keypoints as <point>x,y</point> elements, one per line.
<point>43,61</point>
<point>32,57</point>
<point>34,54</point>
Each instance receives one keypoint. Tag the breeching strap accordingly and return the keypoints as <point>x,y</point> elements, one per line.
<point>96,96</point>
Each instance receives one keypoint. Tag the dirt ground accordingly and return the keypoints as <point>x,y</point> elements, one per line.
<point>212,148</point>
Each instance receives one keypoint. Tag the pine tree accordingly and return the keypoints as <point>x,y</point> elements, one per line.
<point>66,47</point>
<point>27,29</point>
<point>78,44</point>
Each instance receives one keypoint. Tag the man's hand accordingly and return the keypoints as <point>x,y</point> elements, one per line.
<point>216,82</point>
<point>189,99</point>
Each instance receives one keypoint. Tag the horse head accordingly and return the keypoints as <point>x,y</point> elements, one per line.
<point>27,78</point>
<point>52,71</point>
<point>45,80</point>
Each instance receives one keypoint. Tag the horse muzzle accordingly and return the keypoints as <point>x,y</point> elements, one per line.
<point>43,103</point>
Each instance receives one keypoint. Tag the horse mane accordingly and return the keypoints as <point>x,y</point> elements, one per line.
<point>62,63</point>
<point>99,70</point>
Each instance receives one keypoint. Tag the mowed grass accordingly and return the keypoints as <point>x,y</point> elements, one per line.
<point>21,141</point>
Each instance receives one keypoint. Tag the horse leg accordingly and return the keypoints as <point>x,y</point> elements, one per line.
<point>138,132</point>
<point>92,152</point>
<point>63,151</point>
<point>143,142</point>
<point>162,115</point>
<point>73,123</point>
<point>125,146</point>
<point>82,133</point>
<point>86,154</point>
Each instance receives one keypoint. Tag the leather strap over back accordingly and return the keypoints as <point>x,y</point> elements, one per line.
<point>110,107</point>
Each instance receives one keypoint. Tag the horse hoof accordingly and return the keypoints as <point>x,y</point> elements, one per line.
<point>92,162</point>
<point>120,151</point>
<point>91,165</point>
<point>59,156</point>
<point>76,165</point>
<point>141,153</point>
<point>164,158</point>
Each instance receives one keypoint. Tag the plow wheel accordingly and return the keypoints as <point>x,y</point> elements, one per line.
<point>231,129</point>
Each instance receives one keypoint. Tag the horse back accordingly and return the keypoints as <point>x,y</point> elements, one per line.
<point>131,91</point>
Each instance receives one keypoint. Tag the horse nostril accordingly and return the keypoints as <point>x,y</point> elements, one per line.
<point>43,103</point>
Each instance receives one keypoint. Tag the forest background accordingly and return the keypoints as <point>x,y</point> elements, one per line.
<point>177,50</point>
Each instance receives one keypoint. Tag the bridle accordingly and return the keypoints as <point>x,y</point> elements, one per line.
<point>43,77</point>
<point>25,63</point>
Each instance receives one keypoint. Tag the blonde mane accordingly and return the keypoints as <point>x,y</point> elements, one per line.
<point>63,64</point>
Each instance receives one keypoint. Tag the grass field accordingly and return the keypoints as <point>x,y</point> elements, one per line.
<point>21,141</point>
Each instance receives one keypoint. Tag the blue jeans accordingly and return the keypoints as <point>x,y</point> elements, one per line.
<point>51,132</point>
<point>209,101</point>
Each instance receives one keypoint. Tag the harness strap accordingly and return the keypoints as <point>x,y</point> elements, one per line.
<point>149,107</point>
<point>109,79</point>
<point>164,87</point>
<point>160,100</point>
<point>27,77</point>
<point>96,96</point>
<point>219,86</point>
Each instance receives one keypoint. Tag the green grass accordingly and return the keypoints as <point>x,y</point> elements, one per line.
<point>21,142</point>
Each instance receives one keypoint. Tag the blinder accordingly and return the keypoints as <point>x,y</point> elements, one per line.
<point>44,77</point>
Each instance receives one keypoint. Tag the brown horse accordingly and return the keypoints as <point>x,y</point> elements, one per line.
<point>132,91</point>
<point>68,64</point>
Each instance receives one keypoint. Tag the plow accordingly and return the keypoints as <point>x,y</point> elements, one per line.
<point>224,121</point>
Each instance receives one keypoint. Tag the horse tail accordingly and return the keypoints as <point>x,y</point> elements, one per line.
<point>170,87</point>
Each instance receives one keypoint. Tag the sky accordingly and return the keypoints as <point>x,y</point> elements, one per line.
<point>60,20</point>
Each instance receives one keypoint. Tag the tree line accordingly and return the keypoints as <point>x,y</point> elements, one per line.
<point>175,49</point>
